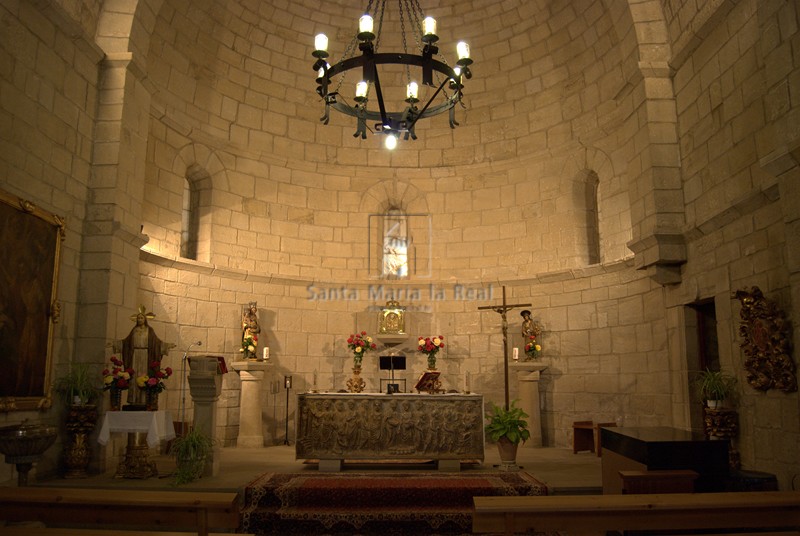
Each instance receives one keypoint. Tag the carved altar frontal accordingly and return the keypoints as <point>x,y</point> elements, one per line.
<point>360,426</point>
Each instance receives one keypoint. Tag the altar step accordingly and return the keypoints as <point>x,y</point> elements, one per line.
<point>376,503</point>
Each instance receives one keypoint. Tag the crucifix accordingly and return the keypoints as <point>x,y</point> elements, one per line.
<point>502,310</point>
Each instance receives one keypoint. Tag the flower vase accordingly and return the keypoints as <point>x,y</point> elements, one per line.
<point>431,361</point>
<point>151,401</point>
<point>115,398</point>
<point>356,384</point>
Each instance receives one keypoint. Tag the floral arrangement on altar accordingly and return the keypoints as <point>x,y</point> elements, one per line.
<point>117,377</point>
<point>153,381</point>
<point>532,348</point>
<point>359,344</point>
<point>430,346</point>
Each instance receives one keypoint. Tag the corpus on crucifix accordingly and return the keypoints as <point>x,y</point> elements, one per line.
<point>502,310</point>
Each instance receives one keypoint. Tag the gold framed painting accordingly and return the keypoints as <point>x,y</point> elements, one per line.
<point>30,242</point>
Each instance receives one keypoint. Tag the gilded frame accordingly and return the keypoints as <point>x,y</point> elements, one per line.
<point>30,238</point>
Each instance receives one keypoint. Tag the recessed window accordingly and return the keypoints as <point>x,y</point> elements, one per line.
<point>395,244</point>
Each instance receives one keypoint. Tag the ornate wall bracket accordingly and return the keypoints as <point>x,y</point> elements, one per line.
<point>765,342</point>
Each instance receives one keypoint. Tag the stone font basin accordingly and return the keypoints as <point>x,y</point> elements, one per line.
<point>24,443</point>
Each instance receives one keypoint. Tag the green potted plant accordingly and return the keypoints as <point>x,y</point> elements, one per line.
<point>191,451</point>
<point>80,388</point>
<point>507,427</point>
<point>80,385</point>
<point>714,386</point>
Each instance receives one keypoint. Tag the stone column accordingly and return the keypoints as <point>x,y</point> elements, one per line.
<point>251,427</point>
<point>205,385</point>
<point>528,375</point>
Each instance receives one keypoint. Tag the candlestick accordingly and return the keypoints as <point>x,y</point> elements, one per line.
<point>266,353</point>
<point>516,354</point>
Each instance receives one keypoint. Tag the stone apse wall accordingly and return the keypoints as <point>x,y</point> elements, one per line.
<point>684,117</point>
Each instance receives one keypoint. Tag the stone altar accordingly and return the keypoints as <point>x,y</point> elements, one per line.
<point>334,427</point>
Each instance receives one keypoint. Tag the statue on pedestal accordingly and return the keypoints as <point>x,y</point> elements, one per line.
<point>250,331</point>
<point>142,351</point>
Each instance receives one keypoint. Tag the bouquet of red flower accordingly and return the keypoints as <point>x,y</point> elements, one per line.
<point>154,379</point>
<point>117,377</point>
<point>360,343</point>
<point>532,348</point>
<point>430,346</point>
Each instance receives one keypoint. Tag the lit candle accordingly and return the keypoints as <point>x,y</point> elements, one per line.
<point>463,50</point>
<point>516,354</point>
<point>412,90</point>
<point>321,42</point>
<point>429,26</point>
<point>365,24</point>
<point>266,353</point>
<point>361,90</point>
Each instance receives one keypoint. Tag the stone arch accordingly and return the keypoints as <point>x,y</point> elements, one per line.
<point>202,168</point>
<point>593,172</point>
<point>126,26</point>
<point>397,196</point>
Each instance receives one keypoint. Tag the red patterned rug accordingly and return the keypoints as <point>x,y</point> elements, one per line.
<point>374,503</point>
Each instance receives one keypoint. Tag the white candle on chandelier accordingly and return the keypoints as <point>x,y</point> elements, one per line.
<point>429,26</point>
<point>365,24</point>
<point>361,90</point>
<point>321,42</point>
<point>412,90</point>
<point>463,50</point>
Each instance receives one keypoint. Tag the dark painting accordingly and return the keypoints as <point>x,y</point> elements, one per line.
<point>30,239</point>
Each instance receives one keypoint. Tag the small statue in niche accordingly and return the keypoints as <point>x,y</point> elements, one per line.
<point>765,343</point>
<point>250,331</point>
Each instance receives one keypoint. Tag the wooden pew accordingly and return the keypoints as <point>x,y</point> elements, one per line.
<point>596,514</point>
<point>197,511</point>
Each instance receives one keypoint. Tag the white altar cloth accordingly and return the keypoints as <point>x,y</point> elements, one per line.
<point>157,424</point>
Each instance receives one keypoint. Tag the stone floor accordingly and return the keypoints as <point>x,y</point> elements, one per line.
<point>561,470</point>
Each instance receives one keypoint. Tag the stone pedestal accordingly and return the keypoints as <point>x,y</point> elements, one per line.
<point>251,428</point>
<point>205,385</point>
<point>528,375</point>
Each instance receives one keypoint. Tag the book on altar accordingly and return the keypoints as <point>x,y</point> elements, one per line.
<point>429,381</point>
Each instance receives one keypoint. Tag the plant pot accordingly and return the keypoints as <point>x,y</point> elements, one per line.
<point>715,404</point>
<point>508,452</point>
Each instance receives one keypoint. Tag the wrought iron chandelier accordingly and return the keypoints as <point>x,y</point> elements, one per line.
<point>434,72</point>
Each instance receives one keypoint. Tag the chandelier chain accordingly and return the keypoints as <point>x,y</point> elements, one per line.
<point>380,24</point>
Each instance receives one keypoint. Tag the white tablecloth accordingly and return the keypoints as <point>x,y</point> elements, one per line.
<point>157,424</point>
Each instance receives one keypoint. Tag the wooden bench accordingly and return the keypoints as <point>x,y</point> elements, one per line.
<point>658,481</point>
<point>586,436</point>
<point>197,511</point>
<point>597,514</point>
<point>21,530</point>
